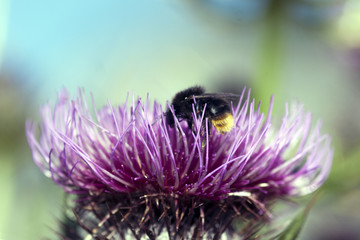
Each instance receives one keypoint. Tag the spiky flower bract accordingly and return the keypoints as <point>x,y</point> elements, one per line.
<point>133,175</point>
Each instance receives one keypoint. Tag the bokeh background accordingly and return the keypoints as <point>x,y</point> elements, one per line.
<point>303,50</point>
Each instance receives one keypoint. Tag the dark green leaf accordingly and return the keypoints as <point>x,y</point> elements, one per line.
<point>292,231</point>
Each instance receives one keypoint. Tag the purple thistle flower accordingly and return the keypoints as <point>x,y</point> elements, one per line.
<point>136,175</point>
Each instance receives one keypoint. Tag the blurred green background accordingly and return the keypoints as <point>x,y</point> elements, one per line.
<point>303,50</point>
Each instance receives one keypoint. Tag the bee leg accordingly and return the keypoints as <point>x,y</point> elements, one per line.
<point>203,144</point>
<point>203,131</point>
<point>191,125</point>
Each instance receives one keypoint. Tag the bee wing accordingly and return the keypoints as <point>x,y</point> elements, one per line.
<point>225,96</point>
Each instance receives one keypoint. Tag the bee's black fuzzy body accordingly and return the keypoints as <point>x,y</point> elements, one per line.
<point>217,109</point>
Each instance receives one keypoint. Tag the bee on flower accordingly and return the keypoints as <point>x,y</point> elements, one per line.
<point>139,172</point>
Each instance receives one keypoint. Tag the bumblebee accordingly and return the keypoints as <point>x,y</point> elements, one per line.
<point>218,108</point>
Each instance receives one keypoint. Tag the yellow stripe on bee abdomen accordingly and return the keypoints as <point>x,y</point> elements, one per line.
<point>223,123</point>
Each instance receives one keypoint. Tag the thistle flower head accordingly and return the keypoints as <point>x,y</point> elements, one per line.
<point>136,174</point>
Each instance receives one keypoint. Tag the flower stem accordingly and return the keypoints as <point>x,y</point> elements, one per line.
<point>267,76</point>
